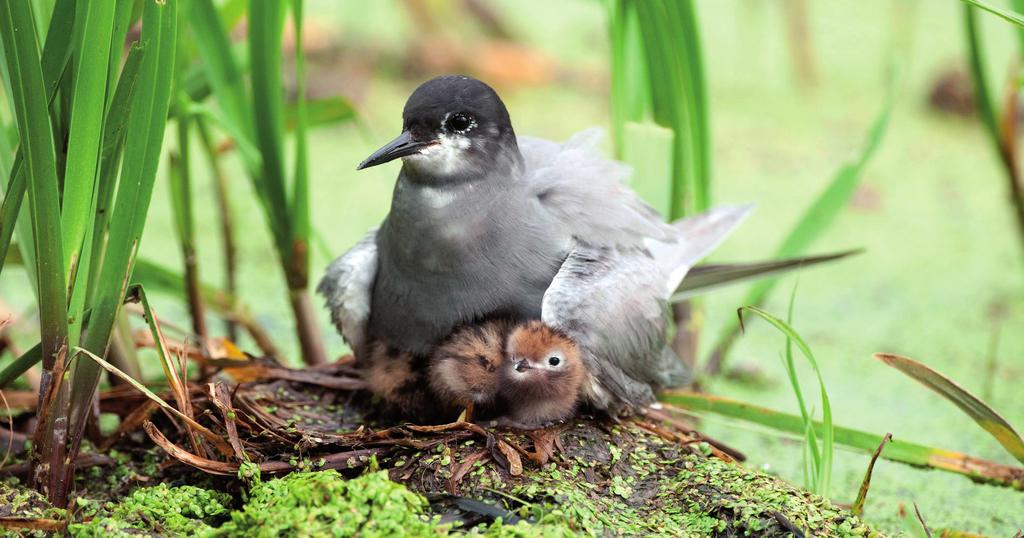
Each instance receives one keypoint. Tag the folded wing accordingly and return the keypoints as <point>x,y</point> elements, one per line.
<point>347,288</point>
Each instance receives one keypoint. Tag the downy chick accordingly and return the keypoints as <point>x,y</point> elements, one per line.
<point>542,378</point>
<point>465,369</point>
<point>399,379</point>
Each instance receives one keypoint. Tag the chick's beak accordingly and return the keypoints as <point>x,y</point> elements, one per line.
<point>523,366</point>
<point>399,147</point>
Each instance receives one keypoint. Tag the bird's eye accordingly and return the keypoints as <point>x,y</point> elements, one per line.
<point>460,122</point>
<point>554,361</point>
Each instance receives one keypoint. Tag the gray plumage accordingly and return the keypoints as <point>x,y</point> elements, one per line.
<point>485,224</point>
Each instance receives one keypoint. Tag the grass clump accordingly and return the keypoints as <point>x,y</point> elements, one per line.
<point>169,511</point>
<point>324,503</point>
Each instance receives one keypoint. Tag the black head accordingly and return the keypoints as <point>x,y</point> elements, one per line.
<point>452,125</point>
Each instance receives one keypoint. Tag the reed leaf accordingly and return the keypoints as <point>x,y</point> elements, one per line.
<point>37,143</point>
<point>266,26</point>
<point>143,141</point>
<point>220,66</point>
<point>85,136</point>
<point>114,129</point>
<point>896,450</point>
<point>11,207</point>
<point>56,54</point>
<point>657,68</point>
<point>299,210</point>
<point>1005,14</point>
<point>20,365</point>
<point>974,407</point>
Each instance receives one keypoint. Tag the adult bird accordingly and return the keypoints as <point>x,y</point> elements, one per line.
<point>484,224</point>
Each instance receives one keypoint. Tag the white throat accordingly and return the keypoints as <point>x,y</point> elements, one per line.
<point>443,158</point>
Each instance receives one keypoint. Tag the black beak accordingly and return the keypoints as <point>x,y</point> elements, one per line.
<point>523,366</point>
<point>399,147</point>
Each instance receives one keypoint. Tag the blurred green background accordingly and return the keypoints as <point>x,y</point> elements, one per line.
<point>941,278</point>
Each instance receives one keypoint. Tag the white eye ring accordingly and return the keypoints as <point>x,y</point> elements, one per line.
<point>459,122</point>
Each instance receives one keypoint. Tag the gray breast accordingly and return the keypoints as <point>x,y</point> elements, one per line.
<point>456,254</point>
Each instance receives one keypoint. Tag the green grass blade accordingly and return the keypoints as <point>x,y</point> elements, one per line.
<point>897,450</point>
<point>125,15</point>
<point>143,141</point>
<point>266,25</point>
<point>37,143</point>
<point>11,207</point>
<point>298,272</point>
<point>1004,14</point>
<point>818,216</point>
<point>221,67</point>
<point>20,365</point>
<point>58,46</point>
<point>974,407</point>
<point>811,439</point>
<point>630,96</point>
<point>683,15</point>
<point>824,465</point>
<point>56,53</point>
<point>982,89</point>
<point>86,128</point>
<point>664,51</point>
<point>114,128</point>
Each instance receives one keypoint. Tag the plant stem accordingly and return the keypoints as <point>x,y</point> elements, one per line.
<point>226,217</point>
<point>312,345</point>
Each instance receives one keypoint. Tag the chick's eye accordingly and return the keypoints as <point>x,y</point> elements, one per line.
<point>460,122</point>
<point>554,361</point>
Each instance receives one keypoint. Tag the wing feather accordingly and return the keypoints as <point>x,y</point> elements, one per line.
<point>587,193</point>
<point>347,288</point>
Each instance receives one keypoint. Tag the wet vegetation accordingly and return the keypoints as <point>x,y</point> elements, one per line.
<point>175,378</point>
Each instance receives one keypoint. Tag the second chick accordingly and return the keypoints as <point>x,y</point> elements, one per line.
<point>529,373</point>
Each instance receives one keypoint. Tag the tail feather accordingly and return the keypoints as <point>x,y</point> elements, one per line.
<point>697,237</point>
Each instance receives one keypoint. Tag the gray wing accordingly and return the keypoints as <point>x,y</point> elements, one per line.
<point>347,288</point>
<point>612,304</point>
<point>587,193</point>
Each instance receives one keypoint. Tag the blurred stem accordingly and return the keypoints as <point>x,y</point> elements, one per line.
<point>801,47</point>
<point>226,217</point>
<point>1002,127</point>
<point>689,321</point>
<point>181,193</point>
<point>312,345</point>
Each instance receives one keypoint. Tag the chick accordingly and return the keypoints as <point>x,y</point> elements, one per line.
<point>542,378</point>
<point>398,378</point>
<point>527,373</point>
<point>465,368</point>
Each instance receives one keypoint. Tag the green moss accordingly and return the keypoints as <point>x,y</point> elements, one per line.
<point>324,503</point>
<point>171,511</point>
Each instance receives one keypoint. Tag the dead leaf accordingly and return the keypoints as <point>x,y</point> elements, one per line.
<point>515,463</point>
